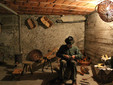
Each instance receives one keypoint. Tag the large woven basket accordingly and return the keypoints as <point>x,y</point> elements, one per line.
<point>105,10</point>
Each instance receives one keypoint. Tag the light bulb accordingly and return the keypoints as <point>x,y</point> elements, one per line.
<point>108,7</point>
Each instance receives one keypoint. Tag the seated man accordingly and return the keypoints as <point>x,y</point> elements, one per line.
<point>69,55</point>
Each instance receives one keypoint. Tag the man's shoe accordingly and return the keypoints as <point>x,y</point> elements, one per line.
<point>74,83</point>
<point>62,84</point>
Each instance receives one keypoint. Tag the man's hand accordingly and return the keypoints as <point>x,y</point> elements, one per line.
<point>73,57</point>
<point>67,56</point>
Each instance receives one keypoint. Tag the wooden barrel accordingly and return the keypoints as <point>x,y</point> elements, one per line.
<point>105,10</point>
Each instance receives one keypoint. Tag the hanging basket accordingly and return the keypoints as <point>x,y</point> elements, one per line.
<point>46,21</point>
<point>30,23</point>
<point>105,10</point>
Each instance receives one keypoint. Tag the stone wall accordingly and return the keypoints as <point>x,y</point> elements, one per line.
<point>8,36</point>
<point>98,38</point>
<point>39,37</point>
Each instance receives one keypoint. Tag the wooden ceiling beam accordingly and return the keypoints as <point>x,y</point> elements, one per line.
<point>44,3</point>
<point>54,13</point>
<point>51,1</point>
<point>50,6</point>
<point>68,5</point>
<point>37,8</point>
<point>68,2</point>
<point>59,1</point>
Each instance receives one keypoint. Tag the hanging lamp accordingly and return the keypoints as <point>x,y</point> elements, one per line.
<point>105,10</point>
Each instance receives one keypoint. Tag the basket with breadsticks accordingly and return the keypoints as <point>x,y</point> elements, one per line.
<point>105,57</point>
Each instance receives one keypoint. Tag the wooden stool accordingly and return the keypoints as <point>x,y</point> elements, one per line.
<point>27,66</point>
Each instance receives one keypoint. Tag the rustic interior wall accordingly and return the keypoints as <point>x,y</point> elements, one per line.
<point>8,36</point>
<point>98,38</point>
<point>39,37</point>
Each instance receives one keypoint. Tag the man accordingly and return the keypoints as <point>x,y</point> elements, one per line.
<point>69,55</point>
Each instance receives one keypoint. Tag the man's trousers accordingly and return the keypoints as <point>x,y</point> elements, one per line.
<point>68,69</point>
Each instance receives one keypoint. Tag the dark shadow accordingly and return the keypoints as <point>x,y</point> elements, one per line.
<point>3,64</point>
<point>36,66</point>
<point>48,78</point>
<point>7,78</point>
<point>40,23</point>
<point>10,66</point>
<point>45,76</point>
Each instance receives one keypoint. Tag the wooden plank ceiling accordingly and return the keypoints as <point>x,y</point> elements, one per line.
<point>49,7</point>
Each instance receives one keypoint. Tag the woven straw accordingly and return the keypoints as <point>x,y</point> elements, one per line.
<point>105,10</point>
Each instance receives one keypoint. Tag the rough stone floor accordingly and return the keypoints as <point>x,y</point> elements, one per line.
<point>41,78</point>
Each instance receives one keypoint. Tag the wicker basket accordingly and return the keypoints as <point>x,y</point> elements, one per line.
<point>46,21</point>
<point>84,61</point>
<point>30,23</point>
<point>104,10</point>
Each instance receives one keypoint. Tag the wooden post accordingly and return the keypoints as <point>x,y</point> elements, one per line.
<point>0,27</point>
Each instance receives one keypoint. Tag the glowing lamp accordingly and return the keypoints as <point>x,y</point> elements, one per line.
<point>105,10</point>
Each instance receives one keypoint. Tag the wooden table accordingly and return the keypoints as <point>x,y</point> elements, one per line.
<point>102,76</point>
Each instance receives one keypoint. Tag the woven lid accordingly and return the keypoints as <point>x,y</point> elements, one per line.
<point>34,55</point>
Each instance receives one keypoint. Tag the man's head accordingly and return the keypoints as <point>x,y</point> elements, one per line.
<point>69,41</point>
